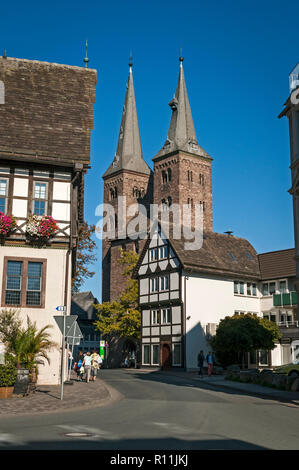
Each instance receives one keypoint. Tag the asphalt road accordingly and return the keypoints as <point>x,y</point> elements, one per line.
<point>159,412</point>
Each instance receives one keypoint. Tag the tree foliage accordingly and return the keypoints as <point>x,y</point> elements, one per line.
<point>122,317</point>
<point>240,334</point>
<point>85,256</point>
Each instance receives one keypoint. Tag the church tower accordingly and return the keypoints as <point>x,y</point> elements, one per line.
<point>182,169</point>
<point>129,176</point>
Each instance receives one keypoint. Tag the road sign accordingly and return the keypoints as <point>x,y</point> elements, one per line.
<point>74,331</point>
<point>61,308</point>
<point>69,321</point>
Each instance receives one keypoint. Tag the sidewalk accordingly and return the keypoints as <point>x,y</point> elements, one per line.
<point>248,388</point>
<point>46,399</point>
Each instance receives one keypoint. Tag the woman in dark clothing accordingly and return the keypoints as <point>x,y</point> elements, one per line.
<point>200,361</point>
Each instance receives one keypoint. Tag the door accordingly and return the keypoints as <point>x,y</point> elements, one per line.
<point>166,356</point>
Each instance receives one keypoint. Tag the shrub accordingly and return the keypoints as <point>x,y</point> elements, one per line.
<point>8,375</point>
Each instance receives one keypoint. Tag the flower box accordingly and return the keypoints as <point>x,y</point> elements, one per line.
<point>41,227</point>
<point>7,224</point>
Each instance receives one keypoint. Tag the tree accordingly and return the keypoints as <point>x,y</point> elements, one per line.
<point>85,256</point>
<point>241,334</point>
<point>122,317</point>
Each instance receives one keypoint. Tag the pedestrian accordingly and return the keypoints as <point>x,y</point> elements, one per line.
<point>210,361</point>
<point>95,364</point>
<point>126,362</point>
<point>79,365</point>
<point>200,361</point>
<point>87,365</point>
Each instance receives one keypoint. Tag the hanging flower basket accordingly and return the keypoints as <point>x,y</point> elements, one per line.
<point>7,224</point>
<point>41,227</point>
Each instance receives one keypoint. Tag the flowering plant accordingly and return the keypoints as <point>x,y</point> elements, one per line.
<point>41,226</point>
<point>7,223</point>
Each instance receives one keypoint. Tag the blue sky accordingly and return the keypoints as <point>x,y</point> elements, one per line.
<point>237,59</point>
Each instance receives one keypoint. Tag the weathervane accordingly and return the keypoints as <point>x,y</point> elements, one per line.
<point>86,59</point>
<point>181,58</point>
<point>130,60</point>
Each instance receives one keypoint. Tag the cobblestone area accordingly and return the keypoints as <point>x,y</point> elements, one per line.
<point>46,399</point>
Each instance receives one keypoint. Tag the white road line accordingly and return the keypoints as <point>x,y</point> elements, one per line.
<point>94,434</point>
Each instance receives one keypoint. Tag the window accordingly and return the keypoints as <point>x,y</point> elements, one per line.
<point>169,174</point>
<point>3,195</point>
<point>153,254</point>
<point>239,287</point>
<point>40,198</point>
<point>113,193</point>
<point>268,288</point>
<point>164,283</point>
<point>146,354</point>
<point>190,175</point>
<point>236,287</point>
<point>254,290</point>
<point>34,283</point>
<point>155,354</point>
<point>176,358</point>
<point>163,252</point>
<point>165,315</point>
<point>201,179</point>
<point>24,282</point>
<point>263,357</point>
<point>283,287</point>
<point>242,288</point>
<point>169,200</point>
<point>13,283</point>
<point>249,288</point>
<point>164,177</point>
<point>273,317</point>
<point>155,317</point>
<point>154,284</point>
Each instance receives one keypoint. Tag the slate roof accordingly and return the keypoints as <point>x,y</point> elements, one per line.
<point>48,111</point>
<point>277,264</point>
<point>129,153</point>
<point>181,133</point>
<point>82,305</point>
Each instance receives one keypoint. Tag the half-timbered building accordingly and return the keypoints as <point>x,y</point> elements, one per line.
<point>46,119</point>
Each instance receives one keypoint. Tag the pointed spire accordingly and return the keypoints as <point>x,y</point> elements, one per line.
<point>129,153</point>
<point>181,133</point>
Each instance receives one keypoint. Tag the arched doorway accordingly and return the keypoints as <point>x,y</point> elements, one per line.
<point>166,356</point>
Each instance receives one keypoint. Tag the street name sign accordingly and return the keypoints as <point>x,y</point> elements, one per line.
<point>61,308</point>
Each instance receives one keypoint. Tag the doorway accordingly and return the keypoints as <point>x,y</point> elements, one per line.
<point>166,356</point>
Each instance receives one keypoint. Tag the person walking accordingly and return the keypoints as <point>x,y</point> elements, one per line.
<point>79,365</point>
<point>200,361</point>
<point>95,364</point>
<point>210,361</point>
<point>87,365</point>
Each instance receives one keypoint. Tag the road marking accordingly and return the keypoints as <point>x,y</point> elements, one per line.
<point>175,428</point>
<point>87,432</point>
<point>10,439</point>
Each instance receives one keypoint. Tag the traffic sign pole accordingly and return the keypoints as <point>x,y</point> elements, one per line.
<point>63,357</point>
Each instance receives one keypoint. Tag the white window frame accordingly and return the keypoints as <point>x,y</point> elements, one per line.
<point>40,199</point>
<point>153,254</point>
<point>164,283</point>
<point>6,193</point>
<point>155,316</point>
<point>147,345</point>
<point>154,284</point>
<point>173,356</point>
<point>168,316</point>
<point>152,354</point>
<point>162,250</point>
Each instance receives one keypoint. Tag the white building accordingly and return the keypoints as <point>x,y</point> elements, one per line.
<point>183,295</point>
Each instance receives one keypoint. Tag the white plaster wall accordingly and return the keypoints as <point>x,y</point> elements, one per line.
<point>208,300</point>
<point>19,208</point>
<point>20,187</point>
<point>55,283</point>
<point>276,358</point>
<point>61,211</point>
<point>61,191</point>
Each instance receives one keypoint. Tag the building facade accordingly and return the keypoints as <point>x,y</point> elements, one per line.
<point>46,119</point>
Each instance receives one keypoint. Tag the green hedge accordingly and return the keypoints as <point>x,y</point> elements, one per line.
<point>8,375</point>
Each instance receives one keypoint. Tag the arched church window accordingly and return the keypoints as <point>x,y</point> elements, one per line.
<point>164,177</point>
<point>169,174</point>
<point>169,201</point>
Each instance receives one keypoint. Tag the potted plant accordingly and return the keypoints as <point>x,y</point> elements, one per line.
<point>7,224</point>
<point>8,375</point>
<point>41,227</point>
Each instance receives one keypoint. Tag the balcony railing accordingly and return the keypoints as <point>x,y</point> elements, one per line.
<point>284,300</point>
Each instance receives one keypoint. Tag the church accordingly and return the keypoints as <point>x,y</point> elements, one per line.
<point>183,294</point>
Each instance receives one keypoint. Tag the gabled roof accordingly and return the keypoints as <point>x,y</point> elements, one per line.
<point>181,133</point>
<point>277,264</point>
<point>82,305</point>
<point>129,153</point>
<point>220,254</point>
